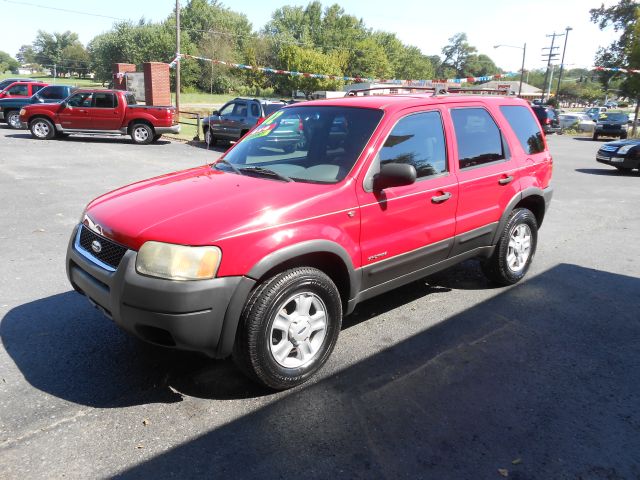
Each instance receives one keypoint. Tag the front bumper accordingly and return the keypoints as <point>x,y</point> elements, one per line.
<point>622,161</point>
<point>618,132</point>
<point>171,129</point>
<point>199,315</point>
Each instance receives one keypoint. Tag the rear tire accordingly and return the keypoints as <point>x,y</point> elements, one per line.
<point>42,129</point>
<point>13,119</point>
<point>288,328</point>
<point>289,148</point>
<point>515,249</point>
<point>624,169</point>
<point>142,134</point>
<point>623,136</point>
<point>595,136</point>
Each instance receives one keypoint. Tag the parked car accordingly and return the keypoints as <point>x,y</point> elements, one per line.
<point>100,111</point>
<point>260,254</point>
<point>580,121</point>
<point>611,124</point>
<point>548,118</point>
<point>10,107</point>
<point>236,118</point>
<point>594,112</point>
<point>21,89</point>
<point>8,81</point>
<point>611,104</point>
<point>622,154</point>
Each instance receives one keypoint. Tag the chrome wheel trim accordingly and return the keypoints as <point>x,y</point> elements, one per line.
<point>519,249</point>
<point>207,137</point>
<point>298,330</point>
<point>141,134</point>
<point>14,120</point>
<point>41,129</point>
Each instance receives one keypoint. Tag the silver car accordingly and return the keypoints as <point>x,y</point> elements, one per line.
<point>580,121</point>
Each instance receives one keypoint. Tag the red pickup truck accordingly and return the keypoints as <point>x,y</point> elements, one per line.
<point>100,111</point>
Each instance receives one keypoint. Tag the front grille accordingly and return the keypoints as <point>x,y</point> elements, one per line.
<point>111,252</point>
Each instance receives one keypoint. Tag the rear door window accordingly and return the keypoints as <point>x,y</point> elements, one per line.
<point>104,100</point>
<point>255,111</point>
<point>526,128</point>
<point>478,137</point>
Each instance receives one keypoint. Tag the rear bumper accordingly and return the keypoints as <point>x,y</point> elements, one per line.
<point>171,129</point>
<point>547,193</point>
<point>200,315</point>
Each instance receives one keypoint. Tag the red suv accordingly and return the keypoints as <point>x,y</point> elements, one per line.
<point>260,254</point>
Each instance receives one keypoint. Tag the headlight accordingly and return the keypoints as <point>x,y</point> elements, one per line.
<point>178,262</point>
<point>625,149</point>
<point>22,111</point>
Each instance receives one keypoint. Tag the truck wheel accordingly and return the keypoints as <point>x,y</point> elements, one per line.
<point>13,119</point>
<point>623,136</point>
<point>209,139</point>
<point>624,169</point>
<point>515,249</point>
<point>595,136</point>
<point>42,129</point>
<point>141,133</point>
<point>288,328</point>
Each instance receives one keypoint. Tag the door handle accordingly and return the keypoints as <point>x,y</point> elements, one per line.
<point>441,198</point>
<point>506,180</point>
<point>82,111</point>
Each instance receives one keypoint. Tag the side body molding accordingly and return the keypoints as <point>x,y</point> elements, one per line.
<point>545,195</point>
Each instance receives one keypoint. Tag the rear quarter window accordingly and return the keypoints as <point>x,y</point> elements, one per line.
<point>525,126</point>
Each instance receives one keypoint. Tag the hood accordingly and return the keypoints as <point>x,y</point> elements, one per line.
<point>203,205</point>
<point>620,143</point>
<point>52,107</point>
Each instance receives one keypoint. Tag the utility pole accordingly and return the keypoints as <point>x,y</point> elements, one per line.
<point>524,54</point>
<point>178,58</point>
<point>55,74</point>
<point>564,50</point>
<point>550,56</point>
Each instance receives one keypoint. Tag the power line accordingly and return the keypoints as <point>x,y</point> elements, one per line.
<point>67,10</point>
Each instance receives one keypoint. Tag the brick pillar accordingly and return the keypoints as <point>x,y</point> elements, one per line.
<point>156,83</point>
<point>119,82</point>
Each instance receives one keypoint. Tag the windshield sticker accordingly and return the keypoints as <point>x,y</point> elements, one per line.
<point>273,117</point>
<point>261,131</point>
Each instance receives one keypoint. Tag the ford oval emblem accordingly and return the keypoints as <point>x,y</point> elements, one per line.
<point>96,246</point>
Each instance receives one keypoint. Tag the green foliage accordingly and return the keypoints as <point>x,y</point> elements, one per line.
<point>7,62</point>
<point>300,59</point>
<point>457,55</point>
<point>50,49</point>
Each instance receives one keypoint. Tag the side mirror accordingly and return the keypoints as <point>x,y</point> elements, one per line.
<point>63,105</point>
<point>215,113</point>
<point>394,175</point>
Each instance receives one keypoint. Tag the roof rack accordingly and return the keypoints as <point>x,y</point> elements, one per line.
<point>438,90</point>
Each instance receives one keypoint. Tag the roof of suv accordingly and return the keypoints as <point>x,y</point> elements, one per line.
<point>398,102</point>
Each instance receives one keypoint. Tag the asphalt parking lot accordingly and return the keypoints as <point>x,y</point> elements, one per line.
<point>445,378</point>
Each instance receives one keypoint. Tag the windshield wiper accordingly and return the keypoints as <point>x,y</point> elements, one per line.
<point>266,171</point>
<point>231,165</point>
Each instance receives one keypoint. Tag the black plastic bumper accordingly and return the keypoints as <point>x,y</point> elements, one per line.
<point>198,315</point>
<point>618,161</point>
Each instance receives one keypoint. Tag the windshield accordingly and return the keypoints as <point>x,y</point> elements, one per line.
<point>318,144</point>
<point>613,117</point>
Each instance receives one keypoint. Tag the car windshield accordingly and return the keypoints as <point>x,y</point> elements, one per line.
<point>613,117</point>
<point>316,144</point>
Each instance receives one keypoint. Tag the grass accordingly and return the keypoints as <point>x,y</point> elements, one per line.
<point>201,98</point>
<point>76,82</point>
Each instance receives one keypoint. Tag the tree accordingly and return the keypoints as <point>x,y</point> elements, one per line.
<point>7,62</point>
<point>624,52</point>
<point>305,60</point>
<point>480,66</point>
<point>26,55</point>
<point>457,53</point>
<point>49,47</point>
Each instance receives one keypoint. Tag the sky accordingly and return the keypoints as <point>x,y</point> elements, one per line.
<point>426,24</point>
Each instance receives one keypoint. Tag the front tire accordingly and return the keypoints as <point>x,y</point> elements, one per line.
<point>42,129</point>
<point>514,252</point>
<point>288,328</point>
<point>209,139</point>
<point>142,134</point>
<point>595,136</point>
<point>13,119</point>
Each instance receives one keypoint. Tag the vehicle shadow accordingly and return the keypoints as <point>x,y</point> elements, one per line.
<point>65,347</point>
<point>220,148</point>
<point>541,380</point>
<point>90,139</point>
<point>612,172</point>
